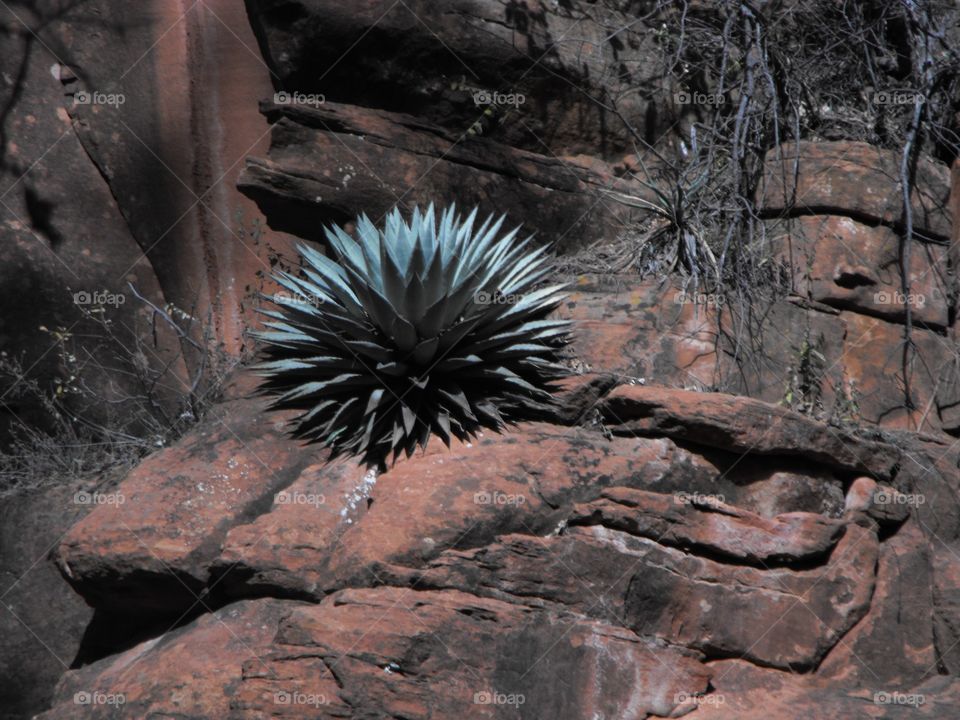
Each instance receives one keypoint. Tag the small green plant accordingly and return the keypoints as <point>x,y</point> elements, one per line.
<point>804,389</point>
<point>846,406</point>
<point>431,327</point>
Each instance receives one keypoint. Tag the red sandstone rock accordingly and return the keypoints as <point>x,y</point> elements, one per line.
<point>873,356</point>
<point>522,481</point>
<point>172,151</point>
<point>746,692</point>
<point>64,250</point>
<point>42,621</point>
<point>192,672</point>
<point>365,653</point>
<point>901,616</point>
<point>741,424</point>
<point>639,328</point>
<point>281,551</point>
<point>724,610</point>
<point>855,179</point>
<point>152,547</point>
<point>648,331</point>
<point>846,264</point>
<point>702,522</point>
<point>600,546</point>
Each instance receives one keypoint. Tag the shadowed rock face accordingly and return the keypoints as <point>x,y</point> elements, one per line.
<point>321,168</point>
<point>43,620</point>
<point>447,63</point>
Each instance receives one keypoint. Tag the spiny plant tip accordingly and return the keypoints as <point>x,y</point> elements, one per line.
<point>429,327</point>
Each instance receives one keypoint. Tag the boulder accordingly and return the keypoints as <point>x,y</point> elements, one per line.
<point>192,672</point>
<point>364,653</point>
<point>149,553</point>
<point>527,481</point>
<point>171,146</point>
<point>703,524</point>
<point>901,616</point>
<point>738,424</point>
<point>858,180</point>
<point>777,616</point>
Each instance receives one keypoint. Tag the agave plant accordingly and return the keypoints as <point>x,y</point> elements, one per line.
<point>420,328</point>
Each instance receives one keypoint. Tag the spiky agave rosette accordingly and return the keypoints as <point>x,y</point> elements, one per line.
<point>419,328</point>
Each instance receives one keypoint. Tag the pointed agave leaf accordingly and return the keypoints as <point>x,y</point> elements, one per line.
<point>395,369</point>
<point>425,351</point>
<point>452,249</point>
<point>456,396</point>
<point>400,248</point>
<point>316,410</point>
<point>434,280</point>
<point>347,249</point>
<point>450,364</point>
<point>523,350</point>
<point>369,350</point>
<point>409,418</point>
<point>334,276</point>
<point>433,319</point>
<point>342,412</point>
<point>414,301</point>
<point>425,430</point>
<point>417,263</point>
<point>443,425</point>
<point>312,388</point>
<point>394,282</point>
<point>369,240</point>
<point>450,339</point>
<point>364,443</point>
<point>403,334</point>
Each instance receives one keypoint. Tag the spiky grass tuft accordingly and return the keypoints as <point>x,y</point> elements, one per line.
<point>419,328</point>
